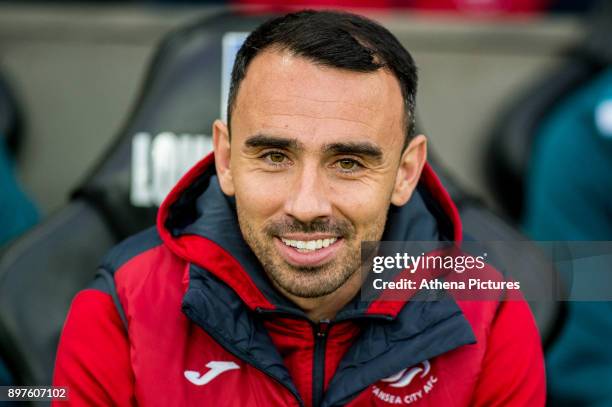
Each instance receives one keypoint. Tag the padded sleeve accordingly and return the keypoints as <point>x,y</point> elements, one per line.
<point>93,358</point>
<point>513,367</point>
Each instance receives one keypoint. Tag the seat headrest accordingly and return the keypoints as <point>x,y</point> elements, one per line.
<point>169,126</point>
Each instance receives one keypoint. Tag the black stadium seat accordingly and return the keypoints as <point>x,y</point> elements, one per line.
<point>179,100</point>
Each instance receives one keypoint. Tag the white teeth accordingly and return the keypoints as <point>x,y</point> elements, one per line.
<point>309,245</point>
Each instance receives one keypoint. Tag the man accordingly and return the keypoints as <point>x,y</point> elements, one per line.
<point>247,292</point>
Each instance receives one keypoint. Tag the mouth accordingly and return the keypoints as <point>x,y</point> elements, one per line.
<point>307,246</point>
<point>308,251</point>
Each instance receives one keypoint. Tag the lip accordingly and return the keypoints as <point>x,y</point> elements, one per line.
<point>311,259</point>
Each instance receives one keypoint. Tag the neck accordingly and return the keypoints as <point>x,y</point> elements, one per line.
<point>326,307</point>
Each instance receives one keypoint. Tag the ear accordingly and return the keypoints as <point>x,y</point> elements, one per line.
<point>221,145</point>
<point>411,164</point>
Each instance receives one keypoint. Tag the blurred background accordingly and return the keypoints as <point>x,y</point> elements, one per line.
<point>77,69</point>
<point>104,105</point>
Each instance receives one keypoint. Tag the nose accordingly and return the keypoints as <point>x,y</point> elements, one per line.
<point>308,196</point>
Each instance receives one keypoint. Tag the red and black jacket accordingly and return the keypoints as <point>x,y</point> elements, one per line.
<point>183,314</point>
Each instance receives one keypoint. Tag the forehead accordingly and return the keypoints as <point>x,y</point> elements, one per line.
<point>289,95</point>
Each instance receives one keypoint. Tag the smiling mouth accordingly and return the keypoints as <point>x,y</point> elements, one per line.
<point>308,251</point>
<point>309,246</point>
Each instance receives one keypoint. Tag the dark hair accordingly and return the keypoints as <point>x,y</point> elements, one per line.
<point>334,39</point>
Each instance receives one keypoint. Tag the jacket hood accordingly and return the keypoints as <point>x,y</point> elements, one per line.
<point>198,222</point>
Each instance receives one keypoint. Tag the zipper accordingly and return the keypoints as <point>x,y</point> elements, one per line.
<point>320,333</point>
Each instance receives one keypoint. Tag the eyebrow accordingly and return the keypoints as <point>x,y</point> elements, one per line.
<point>263,140</point>
<point>358,148</point>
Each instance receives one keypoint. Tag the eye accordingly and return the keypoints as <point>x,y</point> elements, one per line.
<point>275,158</point>
<point>348,165</point>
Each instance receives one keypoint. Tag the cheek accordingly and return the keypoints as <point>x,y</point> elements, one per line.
<point>258,197</point>
<point>365,203</point>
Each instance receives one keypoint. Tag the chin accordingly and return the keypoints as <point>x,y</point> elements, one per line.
<point>308,282</point>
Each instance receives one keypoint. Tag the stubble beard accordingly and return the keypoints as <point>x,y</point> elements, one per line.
<point>308,282</point>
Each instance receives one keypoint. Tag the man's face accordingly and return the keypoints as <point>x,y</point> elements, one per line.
<point>313,163</point>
